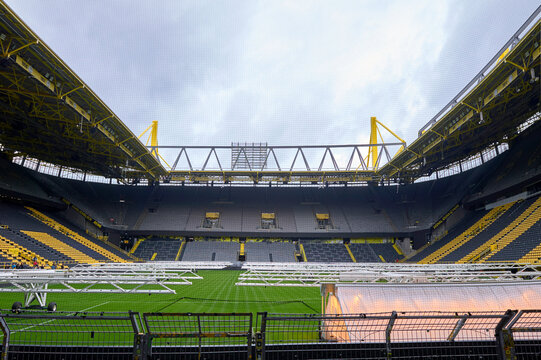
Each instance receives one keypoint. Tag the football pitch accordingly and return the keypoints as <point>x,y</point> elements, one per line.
<point>215,293</point>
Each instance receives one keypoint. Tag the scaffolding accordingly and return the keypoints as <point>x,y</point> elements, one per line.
<point>317,274</point>
<point>124,278</point>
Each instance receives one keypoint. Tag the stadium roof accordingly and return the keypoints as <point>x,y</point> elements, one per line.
<point>492,109</point>
<point>50,114</point>
<point>489,110</point>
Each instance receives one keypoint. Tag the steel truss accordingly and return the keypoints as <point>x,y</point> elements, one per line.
<point>65,122</point>
<point>132,278</point>
<point>282,164</point>
<point>487,112</point>
<point>165,265</point>
<point>317,274</point>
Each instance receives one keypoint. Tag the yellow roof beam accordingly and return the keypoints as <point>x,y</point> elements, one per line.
<point>373,148</point>
<point>8,54</point>
<point>153,139</point>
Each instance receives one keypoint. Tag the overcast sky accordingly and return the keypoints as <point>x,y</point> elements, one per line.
<point>282,72</point>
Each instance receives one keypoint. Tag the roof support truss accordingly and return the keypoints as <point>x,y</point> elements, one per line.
<point>314,163</point>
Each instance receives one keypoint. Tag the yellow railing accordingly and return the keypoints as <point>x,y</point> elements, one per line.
<point>303,253</point>
<point>398,249</point>
<point>136,245</point>
<point>350,253</point>
<point>241,251</point>
<point>180,250</point>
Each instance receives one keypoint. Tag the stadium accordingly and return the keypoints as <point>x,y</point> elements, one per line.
<point>383,250</point>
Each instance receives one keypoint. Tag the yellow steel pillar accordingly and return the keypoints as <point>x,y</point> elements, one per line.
<point>154,133</point>
<point>154,139</point>
<point>373,149</point>
<point>373,145</point>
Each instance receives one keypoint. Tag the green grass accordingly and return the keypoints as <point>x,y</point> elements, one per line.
<point>216,293</point>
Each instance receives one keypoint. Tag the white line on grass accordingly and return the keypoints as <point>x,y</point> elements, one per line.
<point>48,321</point>
<point>95,306</point>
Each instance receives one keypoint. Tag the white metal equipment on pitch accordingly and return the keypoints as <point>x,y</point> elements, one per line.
<point>128,278</point>
<point>316,274</point>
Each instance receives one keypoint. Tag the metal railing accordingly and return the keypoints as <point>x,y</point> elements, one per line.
<point>397,335</point>
<point>88,335</point>
<point>199,335</point>
<point>521,336</point>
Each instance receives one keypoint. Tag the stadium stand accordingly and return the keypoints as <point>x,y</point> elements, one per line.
<point>498,225</point>
<point>531,239</point>
<point>264,251</point>
<point>19,219</point>
<point>6,258</point>
<point>326,252</point>
<point>500,234</point>
<point>467,222</point>
<point>65,249</point>
<point>372,210</point>
<point>515,228</point>
<point>112,250</point>
<point>464,237</point>
<point>109,256</point>
<point>43,236</point>
<point>13,252</point>
<point>510,244</point>
<point>24,242</point>
<point>386,251</point>
<point>158,249</point>
<point>361,210</point>
<point>364,253</point>
<point>523,245</point>
<point>164,210</point>
<point>211,251</point>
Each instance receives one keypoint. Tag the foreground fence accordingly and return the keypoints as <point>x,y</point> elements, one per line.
<point>92,335</point>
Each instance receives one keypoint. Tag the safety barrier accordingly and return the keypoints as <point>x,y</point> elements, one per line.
<point>199,336</point>
<point>54,335</point>
<point>445,335</point>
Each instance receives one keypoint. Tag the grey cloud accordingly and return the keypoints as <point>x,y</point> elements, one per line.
<point>215,72</point>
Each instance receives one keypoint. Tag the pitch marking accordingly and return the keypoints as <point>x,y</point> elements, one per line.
<point>48,321</point>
